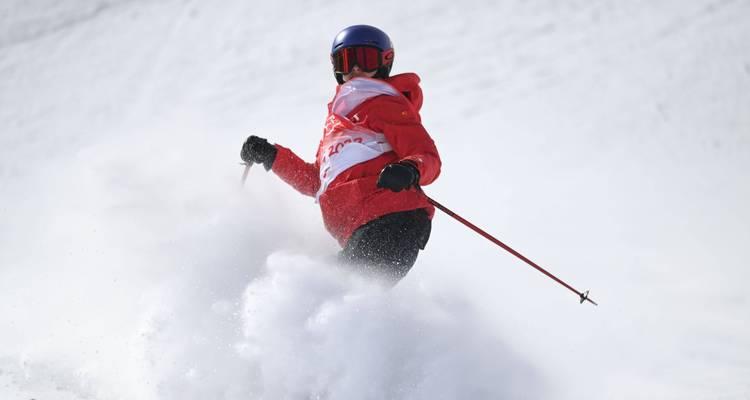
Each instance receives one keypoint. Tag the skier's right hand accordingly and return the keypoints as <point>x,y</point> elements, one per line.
<point>258,150</point>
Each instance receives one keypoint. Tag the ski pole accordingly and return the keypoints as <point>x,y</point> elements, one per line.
<point>582,296</point>
<point>244,173</point>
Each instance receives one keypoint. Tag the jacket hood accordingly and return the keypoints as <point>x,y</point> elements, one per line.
<point>408,85</point>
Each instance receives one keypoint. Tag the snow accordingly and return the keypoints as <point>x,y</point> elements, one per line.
<point>608,141</point>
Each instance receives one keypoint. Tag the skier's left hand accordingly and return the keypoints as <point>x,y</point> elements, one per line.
<point>398,176</point>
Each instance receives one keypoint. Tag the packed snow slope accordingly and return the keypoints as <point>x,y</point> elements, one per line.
<point>609,141</point>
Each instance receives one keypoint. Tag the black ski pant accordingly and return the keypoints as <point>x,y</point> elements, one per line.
<point>389,245</point>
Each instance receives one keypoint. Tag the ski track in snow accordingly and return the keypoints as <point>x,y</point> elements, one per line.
<point>610,140</point>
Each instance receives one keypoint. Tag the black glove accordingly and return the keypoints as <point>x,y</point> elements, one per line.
<point>258,150</point>
<point>399,176</point>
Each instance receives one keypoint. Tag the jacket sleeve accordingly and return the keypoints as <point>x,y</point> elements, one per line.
<point>302,176</point>
<point>402,126</point>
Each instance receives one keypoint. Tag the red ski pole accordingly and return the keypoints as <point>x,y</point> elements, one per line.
<point>582,296</point>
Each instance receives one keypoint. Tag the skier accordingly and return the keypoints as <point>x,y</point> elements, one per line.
<point>373,157</point>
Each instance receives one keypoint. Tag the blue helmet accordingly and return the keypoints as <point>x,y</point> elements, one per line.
<point>365,35</point>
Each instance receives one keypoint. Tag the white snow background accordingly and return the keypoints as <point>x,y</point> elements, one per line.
<point>609,141</point>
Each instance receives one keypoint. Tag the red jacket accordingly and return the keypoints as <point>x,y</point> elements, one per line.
<point>371,123</point>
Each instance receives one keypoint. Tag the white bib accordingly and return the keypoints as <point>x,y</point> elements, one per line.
<point>346,144</point>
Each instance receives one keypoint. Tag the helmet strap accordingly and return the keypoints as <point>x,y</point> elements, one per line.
<point>383,73</point>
